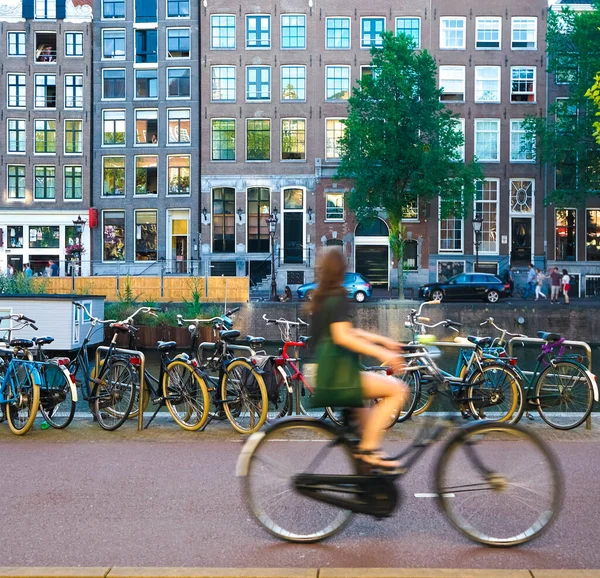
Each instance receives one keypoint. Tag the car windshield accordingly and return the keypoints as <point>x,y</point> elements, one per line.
<point>349,278</point>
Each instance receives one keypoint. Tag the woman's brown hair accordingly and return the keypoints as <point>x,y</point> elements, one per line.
<point>331,268</point>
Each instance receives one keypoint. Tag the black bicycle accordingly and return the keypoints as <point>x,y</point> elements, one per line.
<point>302,479</point>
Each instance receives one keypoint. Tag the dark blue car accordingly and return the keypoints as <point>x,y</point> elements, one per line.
<point>357,286</point>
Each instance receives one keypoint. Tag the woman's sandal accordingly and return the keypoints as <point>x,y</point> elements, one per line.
<point>377,459</point>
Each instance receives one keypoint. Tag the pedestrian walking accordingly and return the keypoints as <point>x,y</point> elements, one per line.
<point>509,278</point>
<point>566,284</point>
<point>555,280</point>
<point>54,270</point>
<point>531,281</point>
<point>28,271</point>
<point>10,271</point>
<point>539,283</point>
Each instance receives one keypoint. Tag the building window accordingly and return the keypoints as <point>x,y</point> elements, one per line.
<point>45,9</point>
<point>258,32</point>
<point>45,136</point>
<point>460,151</point>
<point>566,234</point>
<point>566,68</point>
<point>337,82</point>
<point>45,183</point>
<point>178,168</point>
<point>113,236</point>
<point>73,136</point>
<point>222,32</point>
<point>258,211</point>
<point>334,206</point>
<point>73,91</point>
<point>179,126</point>
<point>488,33</point>
<point>16,90</point>
<point>146,127</point>
<point>178,8</point>
<point>521,196</point>
<point>113,8</point>
<point>73,43</point>
<point>113,127</point>
<point>370,32</point>
<point>73,183</point>
<point>113,176</point>
<point>258,139</point>
<point>146,84</point>
<point>334,131</point>
<point>258,83</point>
<point>146,175</point>
<point>16,182</point>
<point>44,237</point>
<point>486,205</point>
<point>337,35</point>
<point>113,44</point>
<point>178,42</point>
<point>592,235</point>
<point>452,33</point>
<point>524,33</point>
<point>410,27</point>
<point>487,139</point>
<point>487,84</point>
<point>522,86</point>
<point>223,139</point>
<point>452,82</point>
<point>15,237</point>
<point>223,211</point>
<point>113,84</point>
<point>293,139</point>
<point>223,83</point>
<point>16,43</point>
<point>521,148</point>
<point>178,82</point>
<point>410,211</point>
<point>145,11</point>
<point>451,227</point>
<point>293,83</point>
<point>146,49</point>
<point>17,138</point>
<point>146,236</point>
<point>293,31</point>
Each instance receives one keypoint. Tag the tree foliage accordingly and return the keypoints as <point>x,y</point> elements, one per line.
<point>400,141</point>
<point>565,138</point>
<point>593,94</point>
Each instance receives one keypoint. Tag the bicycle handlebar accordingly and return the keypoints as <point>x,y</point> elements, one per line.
<point>93,320</point>
<point>490,321</point>
<point>181,320</point>
<point>282,321</point>
<point>20,318</point>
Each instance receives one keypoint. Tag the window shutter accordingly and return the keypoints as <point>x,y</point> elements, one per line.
<point>28,9</point>
<point>60,9</point>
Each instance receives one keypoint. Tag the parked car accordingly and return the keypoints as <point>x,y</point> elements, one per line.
<point>466,286</point>
<point>357,286</point>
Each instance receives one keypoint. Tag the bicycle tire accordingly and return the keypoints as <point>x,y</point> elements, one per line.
<point>186,395</point>
<point>57,403</point>
<point>268,466</point>
<point>412,379</point>
<point>554,380</point>
<point>245,400</point>
<point>21,412</point>
<point>113,397</point>
<point>500,397</point>
<point>283,405</point>
<point>475,458</point>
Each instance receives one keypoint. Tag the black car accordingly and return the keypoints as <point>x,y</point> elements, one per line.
<point>466,286</point>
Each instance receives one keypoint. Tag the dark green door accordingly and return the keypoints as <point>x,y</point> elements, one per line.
<point>292,237</point>
<point>372,263</point>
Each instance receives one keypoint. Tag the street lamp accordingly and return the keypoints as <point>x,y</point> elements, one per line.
<point>477,224</point>
<point>272,222</point>
<point>79,227</point>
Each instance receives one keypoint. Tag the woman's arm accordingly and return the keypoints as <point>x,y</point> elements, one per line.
<point>386,342</point>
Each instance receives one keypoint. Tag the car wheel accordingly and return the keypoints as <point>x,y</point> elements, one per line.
<point>492,296</point>
<point>309,296</point>
<point>359,296</point>
<point>437,295</point>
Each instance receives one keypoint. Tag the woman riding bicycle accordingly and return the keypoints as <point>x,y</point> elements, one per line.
<point>337,346</point>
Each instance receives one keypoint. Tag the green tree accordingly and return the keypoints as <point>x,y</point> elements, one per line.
<point>401,143</point>
<point>593,94</point>
<point>564,140</point>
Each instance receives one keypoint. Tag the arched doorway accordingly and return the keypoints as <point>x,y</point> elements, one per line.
<point>372,252</point>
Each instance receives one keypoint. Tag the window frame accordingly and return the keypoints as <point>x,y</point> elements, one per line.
<point>189,78</point>
<point>148,82</point>
<point>189,169</point>
<point>47,176</point>
<point>20,132</point>
<point>20,34</point>
<point>373,37</point>
<point>189,119</point>
<point>189,14</point>
<point>141,110</point>
<point>218,229</point>
<point>498,139</point>
<point>228,80</point>
<point>337,158</point>
<point>76,90</point>
<point>556,237</point>
<point>417,46</point>
<point>103,57</point>
<point>212,140</point>
<point>261,46</point>
<point>109,111</point>
<point>122,215</point>
<point>458,247</point>
<point>462,80</point>
<point>75,34</point>
<point>21,90</point>
<point>65,181</point>
<point>461,153</point>
<point>19,177</point>
<point>333,219</point>
<point>137,212</point>
<point>213,16</point>
<point>45,131</point>
<point>341,79</point>
<point>511,210</point>
<point>300,143</point>
<point>498,20</point>
<point>114,2</point>
<point>266,160</point>
<point>146,194</point>
<point>477,80</point>
<point>123,168</point>
<point>189,39</point>
<point>512,150</point>
<point>476,211</point>
<point>259,83</point>
<point>533,83</point>
<point>118,98</point>
<point>282,27</point>
<point>444,30</point>
<point>327,38</point>
<point>74,132</point>
<point>512,31</point>
<point>297,87</point>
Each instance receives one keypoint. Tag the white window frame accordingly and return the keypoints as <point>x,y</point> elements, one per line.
<point>299,119</point>
<point>23,130</point>
<point>36,130</point>
<point>341,219</point>
<point>64,183</point>
<point>484,20</point>
<point>104,119</point>
<point>112,211</point>
<point>498,132</point>
<point>18,34</point>
<point>212,47</point>
<point>142,112</point>
<point>481,69</point>
<point>418,44</point>
<point>167,188</point>
<point>178,97</point>
<point>444,20</point>
<point>519,131</point>
<point>114,58</point>
<point>75,33</point>
<point>22,94</point>
<point>177,17</point>
<point>327,69</point>
<point>337,158</point>
<point>212,130</point>
<point>297,15</point>
<point>259,72</point>
<point>125,80</point>
<point>135,239</point>
<point>213,69</point>
<point>457,74</point>
<point>169,29</point>
<point>327,19</point>
<point>116,17</point>
<point>22,199</point>
<point>476,210</point>
<point>516,93</point>
<point>270,40</point>
<point>79,94</point>
<point>270,142</point>
<point>441,220</point>
<point>520,19</point>
<point>189,116</point>
<point>511,211</point>
<point>105,196</point>
<point>66,120</point>
<point>146,195</point>
<point>303,67</point>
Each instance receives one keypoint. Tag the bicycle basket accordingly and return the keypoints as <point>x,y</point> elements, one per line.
<point>266,364</point>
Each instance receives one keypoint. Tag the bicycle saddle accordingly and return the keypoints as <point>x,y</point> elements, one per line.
<point>229,335</point>
<point>43,340</point>
<point>24,343</point>
<point>255,340</point>
<point>304,338</point>
<point>548,336</point>
<point>480,341</point>
<point>166,345</point>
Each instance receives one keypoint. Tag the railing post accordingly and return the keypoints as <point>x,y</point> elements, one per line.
<point>162,277</point>
<point>73,278</point>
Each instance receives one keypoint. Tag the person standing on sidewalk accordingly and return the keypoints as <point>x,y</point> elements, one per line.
<point>531,280</point>
<point>539,283</point>
<point>555,279</point>
<point>566,284</point>
<point>509,278</point>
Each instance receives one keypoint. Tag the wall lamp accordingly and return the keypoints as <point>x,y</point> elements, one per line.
<point>205,214</point>
<point>309,212</point>
<point>275,212</point>
<point>240,213</point>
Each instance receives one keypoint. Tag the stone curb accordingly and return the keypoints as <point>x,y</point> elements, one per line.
<point>180,572</point>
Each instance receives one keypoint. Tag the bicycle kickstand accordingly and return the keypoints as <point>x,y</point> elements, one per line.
<point>153,415</point>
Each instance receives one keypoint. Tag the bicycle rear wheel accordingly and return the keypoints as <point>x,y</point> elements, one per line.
<point>57,405</point>
<point>113,397</point>
<point>244,396</point>
<point>498,484</point>
<point>281,406</point>
<point>24,394</point>
<point>412,379</point>
<point>564,395</point>
<point>270,462</point>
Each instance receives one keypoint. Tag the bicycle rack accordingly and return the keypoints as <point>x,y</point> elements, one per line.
<point>142,358</point>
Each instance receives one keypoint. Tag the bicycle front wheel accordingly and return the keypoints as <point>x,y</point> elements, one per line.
<point>24,398</point>
<point>412,379</point>
<point>113,397</point>
<point>185,395</point>
<point>271,461</point>
<point>244,396</point>
<point>564,395</point>
<point>498,484</point>
<point>57,404</point>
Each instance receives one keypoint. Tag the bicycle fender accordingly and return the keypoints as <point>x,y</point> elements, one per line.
<point>594,384</point>
<point>71,380</point>
<point>255,367</point>
<point>243,462</point>
<point>285,379</point>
